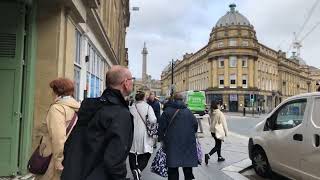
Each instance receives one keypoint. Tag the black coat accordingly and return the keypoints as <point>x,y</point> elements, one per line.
<point>104,145</point>
<point>156,107</point>
<point>180,141</point>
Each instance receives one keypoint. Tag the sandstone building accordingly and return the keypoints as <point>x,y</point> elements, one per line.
<point>235,67</point>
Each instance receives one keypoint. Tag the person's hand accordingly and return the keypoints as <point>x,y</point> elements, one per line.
<point>59,166</point>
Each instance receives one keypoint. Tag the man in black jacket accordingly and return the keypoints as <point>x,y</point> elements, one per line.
<point>110,132</point>
<point>155,104</point>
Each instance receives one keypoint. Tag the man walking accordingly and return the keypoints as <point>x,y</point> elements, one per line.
<point>155,104</point>
<point>110,132</point>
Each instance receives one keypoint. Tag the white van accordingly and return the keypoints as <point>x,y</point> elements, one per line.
<point>288,140</point>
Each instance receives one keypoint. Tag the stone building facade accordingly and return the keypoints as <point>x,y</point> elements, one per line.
<point>234,67</point>
<point>41,40</point>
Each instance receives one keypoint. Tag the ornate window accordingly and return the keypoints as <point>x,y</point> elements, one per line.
<point>244,81</point>
<point>233,79</point>
<point>220,44</point>
<point>244,61</point>
<point>221,81</point>
<point>245,43</point>
<point>221,62</point>
<point>232,42</point>
<point>233,61</point>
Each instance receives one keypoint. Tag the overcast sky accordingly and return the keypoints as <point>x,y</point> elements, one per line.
<point>172,28</point>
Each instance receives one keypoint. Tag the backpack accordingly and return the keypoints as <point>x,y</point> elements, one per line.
<point>74,146</point>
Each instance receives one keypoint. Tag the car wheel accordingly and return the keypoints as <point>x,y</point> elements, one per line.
<point>260,163</point>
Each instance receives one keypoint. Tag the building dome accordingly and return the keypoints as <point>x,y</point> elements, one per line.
<point>232,17</point>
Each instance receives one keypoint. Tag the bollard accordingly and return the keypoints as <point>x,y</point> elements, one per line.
<point>244,111</point>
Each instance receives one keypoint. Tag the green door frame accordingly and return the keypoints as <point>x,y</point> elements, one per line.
<point>28,89</point>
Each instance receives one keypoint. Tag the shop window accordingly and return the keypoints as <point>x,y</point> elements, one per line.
<point>77,82</point>
<point>95,75</point>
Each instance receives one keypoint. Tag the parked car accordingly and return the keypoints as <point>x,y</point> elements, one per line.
<point>288,140</point>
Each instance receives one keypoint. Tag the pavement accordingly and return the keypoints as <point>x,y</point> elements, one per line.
<point>234,150</point>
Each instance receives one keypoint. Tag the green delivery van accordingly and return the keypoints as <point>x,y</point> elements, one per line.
<point>196,101</point>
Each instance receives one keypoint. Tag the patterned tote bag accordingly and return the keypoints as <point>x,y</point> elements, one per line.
<point>159,163</point>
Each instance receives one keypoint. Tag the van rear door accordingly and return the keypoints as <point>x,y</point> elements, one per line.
<point>310,159</point>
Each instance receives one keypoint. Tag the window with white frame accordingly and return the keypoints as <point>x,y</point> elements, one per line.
<point>77,65</point>
<point>95,72</point>
<point>245,43</point>
<point>220,44</point>
<point>244,61</point>
<point>233,79</point>
<point>221,81</point>
<point>244,81</point>
<point>232,42</point>
<point>78,47</point>
<point>232,61</point>
<point>221,62</point>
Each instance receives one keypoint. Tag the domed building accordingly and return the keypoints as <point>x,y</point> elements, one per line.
<point>238,71</point>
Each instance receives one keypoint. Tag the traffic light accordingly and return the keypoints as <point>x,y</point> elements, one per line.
<point>251,97</point>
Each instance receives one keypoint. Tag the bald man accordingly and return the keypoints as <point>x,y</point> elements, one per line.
<point>110,132</point>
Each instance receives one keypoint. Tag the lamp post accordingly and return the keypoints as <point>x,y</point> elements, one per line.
<point>171,92</point>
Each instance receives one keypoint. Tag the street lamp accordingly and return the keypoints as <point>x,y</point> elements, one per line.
<point>172,68</point>
<point>135,8</point>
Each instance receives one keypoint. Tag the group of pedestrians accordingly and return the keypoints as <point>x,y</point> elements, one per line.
<point>93,141</point>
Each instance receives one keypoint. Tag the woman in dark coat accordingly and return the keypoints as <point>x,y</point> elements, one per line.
<point>179,138</point>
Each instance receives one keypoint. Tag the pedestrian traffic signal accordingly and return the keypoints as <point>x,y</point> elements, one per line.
<point>251,97</point>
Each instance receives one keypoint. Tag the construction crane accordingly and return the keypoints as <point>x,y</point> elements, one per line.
<point>297,41</point>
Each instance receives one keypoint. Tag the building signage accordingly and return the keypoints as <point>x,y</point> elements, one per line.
<point>233,97</point>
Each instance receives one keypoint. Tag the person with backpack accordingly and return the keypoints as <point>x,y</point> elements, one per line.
<point>141,149</point>
<point>219,130</point>
<point>54,128</point>
<point>100,143</point>
<point>177,129</point>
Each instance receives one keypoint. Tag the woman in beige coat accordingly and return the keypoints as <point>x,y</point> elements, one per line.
<point>54,127</point>
<point>219,130</point>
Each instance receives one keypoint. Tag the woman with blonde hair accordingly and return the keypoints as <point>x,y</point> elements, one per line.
<point>61,115</point>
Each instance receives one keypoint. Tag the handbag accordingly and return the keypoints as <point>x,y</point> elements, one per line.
<point>219,131</point>
<point>152,128</point>
<point>199,152</point>
<point>159,163</point>
<point>38,164</point>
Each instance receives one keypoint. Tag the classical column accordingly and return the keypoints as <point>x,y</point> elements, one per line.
<point>144,63</point>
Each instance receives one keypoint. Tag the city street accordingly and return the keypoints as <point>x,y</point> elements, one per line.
<point>234,149</point>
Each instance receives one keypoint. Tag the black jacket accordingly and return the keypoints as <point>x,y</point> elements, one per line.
<point>156,107</point>
<point>180,140</point>
<point>108,139</point>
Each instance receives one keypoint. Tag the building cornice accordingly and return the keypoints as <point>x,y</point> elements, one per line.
<point>95,23</point>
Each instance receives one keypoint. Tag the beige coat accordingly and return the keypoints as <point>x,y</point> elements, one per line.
<point>54,134</point>
<point>218,124</point>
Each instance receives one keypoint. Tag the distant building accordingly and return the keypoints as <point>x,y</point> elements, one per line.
<point>234,68</point>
